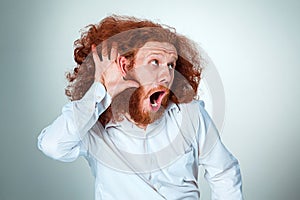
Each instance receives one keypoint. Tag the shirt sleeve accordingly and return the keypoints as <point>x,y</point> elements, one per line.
<point>222,169</point>
<point>61,140</point>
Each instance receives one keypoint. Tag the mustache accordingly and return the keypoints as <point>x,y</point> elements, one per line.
<point>142,91</point>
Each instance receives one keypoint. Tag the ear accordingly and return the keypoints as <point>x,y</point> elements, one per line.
<point>123,64</point>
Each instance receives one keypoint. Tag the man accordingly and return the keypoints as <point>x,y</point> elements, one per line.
<point>134,118</point>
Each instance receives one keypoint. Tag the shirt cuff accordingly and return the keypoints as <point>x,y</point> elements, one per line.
<point>101,97</point>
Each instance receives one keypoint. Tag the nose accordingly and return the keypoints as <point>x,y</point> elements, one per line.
<point>164,76</point>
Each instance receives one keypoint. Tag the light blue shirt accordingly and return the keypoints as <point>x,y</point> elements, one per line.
<point>156,163</point>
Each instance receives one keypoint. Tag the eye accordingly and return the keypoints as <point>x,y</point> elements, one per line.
<point>171,65</point>
<point>154,62</point>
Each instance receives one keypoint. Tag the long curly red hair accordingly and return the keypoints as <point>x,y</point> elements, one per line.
<point>131,34</point>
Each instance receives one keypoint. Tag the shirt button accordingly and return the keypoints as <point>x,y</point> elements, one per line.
<point>157,186</point>
<point>98,98</point>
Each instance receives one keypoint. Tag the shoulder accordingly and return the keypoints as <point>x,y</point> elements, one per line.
<point>194,106</point>
<point>188,112</point>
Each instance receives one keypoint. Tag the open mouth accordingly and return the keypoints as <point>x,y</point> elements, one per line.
<point>156,99</point>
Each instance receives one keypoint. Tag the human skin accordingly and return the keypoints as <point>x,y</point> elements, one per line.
<point>153,69</point>
<point>107,71</point>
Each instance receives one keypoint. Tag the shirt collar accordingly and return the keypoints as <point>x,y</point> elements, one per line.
<point>152,129</point>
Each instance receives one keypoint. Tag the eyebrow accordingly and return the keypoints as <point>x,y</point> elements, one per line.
<point>160,49</point>
<point>173,54</point>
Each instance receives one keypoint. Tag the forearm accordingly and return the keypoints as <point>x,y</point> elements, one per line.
<point>61,139</point>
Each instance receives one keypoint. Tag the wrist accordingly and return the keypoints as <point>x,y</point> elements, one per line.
<point>99,79</point>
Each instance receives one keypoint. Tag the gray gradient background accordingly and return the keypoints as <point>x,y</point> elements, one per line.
<point>254,45</point>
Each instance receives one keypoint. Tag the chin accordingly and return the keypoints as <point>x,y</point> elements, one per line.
<point>147,107</point>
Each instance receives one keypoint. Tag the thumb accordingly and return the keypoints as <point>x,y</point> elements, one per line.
<point>130,84</point>
<point>125,84</point>
<point>121,86</point>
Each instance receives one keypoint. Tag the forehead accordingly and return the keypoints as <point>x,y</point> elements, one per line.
<point>163,48</point>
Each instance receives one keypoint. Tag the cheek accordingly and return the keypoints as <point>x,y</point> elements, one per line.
<point>145,105</point>
<point>144,76</point>
<point>138,100</point>
<point>172,78</point>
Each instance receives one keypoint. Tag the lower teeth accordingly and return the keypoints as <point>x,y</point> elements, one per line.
<point>154,104</point>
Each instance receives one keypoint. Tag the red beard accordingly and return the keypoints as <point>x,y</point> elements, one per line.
<point>136,102</point>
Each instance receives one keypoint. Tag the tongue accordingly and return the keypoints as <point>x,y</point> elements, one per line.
<point>154,104</point>
<point>155,101</point>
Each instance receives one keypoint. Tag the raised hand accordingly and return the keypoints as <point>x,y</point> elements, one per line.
<point>108,72</point>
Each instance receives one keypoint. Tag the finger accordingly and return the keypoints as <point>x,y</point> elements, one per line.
<point>95,55</point>
<point>114,51</point>
<point>104,51</point>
